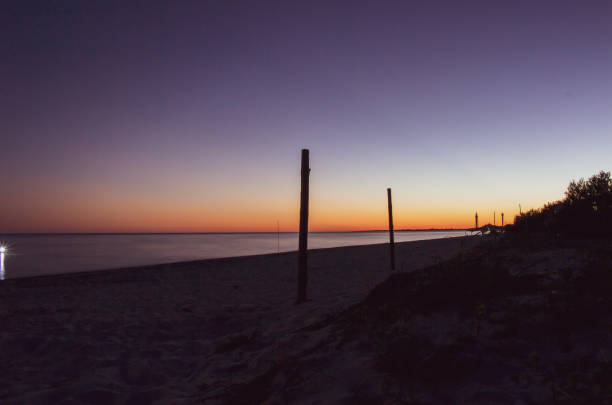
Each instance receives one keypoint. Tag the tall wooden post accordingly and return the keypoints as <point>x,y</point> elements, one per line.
<point>476,220</point>
<point>303,241</point>
<point>502,219</point>
<point>391,241</point>
<point>494,218</point>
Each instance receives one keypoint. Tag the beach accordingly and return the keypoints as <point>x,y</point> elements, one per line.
<point>188,332</point>
<point>312,203</point>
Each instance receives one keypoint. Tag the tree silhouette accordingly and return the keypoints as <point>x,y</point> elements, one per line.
<point>586,209</point>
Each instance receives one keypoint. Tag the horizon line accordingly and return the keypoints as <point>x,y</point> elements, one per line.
<point>231,232</point>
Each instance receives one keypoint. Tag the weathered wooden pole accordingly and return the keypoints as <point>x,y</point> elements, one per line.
<point>502,219</point>
<point>391,241</point>
<point>303,241</point>
<point>476,220</point>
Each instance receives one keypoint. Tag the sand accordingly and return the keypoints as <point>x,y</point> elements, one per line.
<point>191,332</point>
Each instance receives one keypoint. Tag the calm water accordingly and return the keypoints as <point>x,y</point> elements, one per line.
<point>31,255</point>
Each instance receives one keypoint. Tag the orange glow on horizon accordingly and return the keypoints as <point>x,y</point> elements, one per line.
<point>190,219</point>
<point>94,211</point>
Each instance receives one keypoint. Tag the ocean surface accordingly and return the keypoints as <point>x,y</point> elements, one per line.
<point>34,255</point>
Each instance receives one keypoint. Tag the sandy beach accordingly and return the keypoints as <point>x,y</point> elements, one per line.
<point>187,332</point>
<point>446,163</point>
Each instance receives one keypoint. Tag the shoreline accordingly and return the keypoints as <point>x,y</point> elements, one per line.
<point>156,266</point>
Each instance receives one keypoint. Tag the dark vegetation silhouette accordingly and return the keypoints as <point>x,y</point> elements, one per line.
<point>586,210</point>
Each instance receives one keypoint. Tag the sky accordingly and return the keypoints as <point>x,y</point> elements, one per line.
<point>189,116</point>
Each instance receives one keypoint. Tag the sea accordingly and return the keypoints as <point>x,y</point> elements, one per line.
<point>27,255</point>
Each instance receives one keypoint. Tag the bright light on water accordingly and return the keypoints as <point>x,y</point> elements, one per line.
<point>2,250</point>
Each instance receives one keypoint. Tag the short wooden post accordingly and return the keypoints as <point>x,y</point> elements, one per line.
<point>391,241</point>
<point>303,240</point>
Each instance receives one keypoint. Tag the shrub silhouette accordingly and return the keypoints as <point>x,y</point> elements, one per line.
<point>585,210</point>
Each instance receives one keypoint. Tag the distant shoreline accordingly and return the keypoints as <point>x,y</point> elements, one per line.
<point>221,233</point>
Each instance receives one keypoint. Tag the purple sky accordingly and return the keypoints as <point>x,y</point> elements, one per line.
<point>160,116</point>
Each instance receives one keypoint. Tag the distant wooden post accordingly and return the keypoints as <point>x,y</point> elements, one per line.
<point>494,218</point>
<point>303,241</point>
<point>502,219</point>
<point>476,220</point>
<point>391,241</point>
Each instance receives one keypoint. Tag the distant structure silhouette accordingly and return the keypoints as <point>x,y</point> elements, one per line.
<point>476,220</point>
<point>502,214</point>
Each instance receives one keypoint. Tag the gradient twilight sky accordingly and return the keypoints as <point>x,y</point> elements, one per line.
<point>147,116</point>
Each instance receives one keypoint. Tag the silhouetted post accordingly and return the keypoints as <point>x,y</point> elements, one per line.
<point>476,220</point>
<point>391,241</point>
<point>494,218</point>
<point>303,241</point>
<point>502,219</point>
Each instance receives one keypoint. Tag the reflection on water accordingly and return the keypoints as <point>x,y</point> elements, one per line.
<point>32,255</point>
<point>1,265</point>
